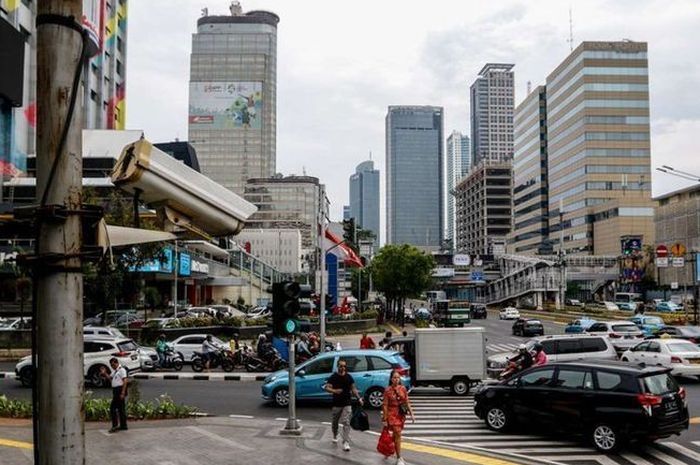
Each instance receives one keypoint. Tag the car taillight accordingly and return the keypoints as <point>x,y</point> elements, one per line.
<point>676,360</point>
<point>402,371</point>
<point>648,401</point>
<point>614,335</point>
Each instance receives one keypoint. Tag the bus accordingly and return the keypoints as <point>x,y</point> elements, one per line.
<point>449,313</point>
<point>433,296</point>
<point>627,300</point>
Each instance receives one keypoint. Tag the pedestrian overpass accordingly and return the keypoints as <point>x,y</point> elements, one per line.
<point>535,280</point>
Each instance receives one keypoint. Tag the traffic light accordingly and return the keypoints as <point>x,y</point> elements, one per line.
<point>286,307</point>
<point>349,230</point>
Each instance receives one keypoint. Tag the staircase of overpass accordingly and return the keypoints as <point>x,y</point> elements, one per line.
<point>538,279</point>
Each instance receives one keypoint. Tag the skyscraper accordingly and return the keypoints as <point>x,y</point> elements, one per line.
<point>414,175</point>
<point>364,198</point>
<point>491,98</point>
<point>233,96</point>
<point>457,167</point>
<point>598,148</point>
<point>530,189</point>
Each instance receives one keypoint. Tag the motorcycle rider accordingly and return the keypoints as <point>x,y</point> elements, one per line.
<point>260,347</point>
<point>208,350</point>
<point>522,361</point>
<point>540,357</point>
<point>303,352</point>
<point>162,350</point>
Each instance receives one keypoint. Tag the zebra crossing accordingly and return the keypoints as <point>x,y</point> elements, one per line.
<point>451,421</point>
<point>502,347</point>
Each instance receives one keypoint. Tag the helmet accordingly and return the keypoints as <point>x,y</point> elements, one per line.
<point>208,337</point>
<point>522,347</point>
<point>538,346</point>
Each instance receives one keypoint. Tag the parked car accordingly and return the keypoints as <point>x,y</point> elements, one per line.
<point>409,314</point>
<point>478,311</point>
<point>528,327</point>
<point>622,334</point>
<point>689,333</point>
<point>579,326</point>
<point>129,320</point>
<point>559,348</point>
<point>160,323</point>
<point>11,324</point>
<point>259,312</point>
<point>668,306</point>
<point>102,331</point>
<point>422,314</point>
<point>509,313</point>
<point>648,324</point>
<point>606,402</point>
<point>601,306</point>
<point>110,317</point>
<point>627,306</point>
<point>682,356</point>
<point>228,311</point>
<point>189,344</point>
<point>97,353</point>
<point>573,303</point>
<point>369,368</point>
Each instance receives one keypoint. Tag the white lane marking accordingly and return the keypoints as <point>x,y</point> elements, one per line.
<point>241,416</point>
<point>539,450</point>
<point>280,419</point>
<point>600,458</point>
<point>519,438</point>
<point>221,439</point>
<point>635,459</point>
<point>682,450</point>
<point>490,444</point>
<point>664,457</point>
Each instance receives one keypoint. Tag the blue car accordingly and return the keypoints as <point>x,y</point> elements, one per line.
<point>648,324</point>
<point>579,326</point>
<point>668,307</point>
<point>369,368</point>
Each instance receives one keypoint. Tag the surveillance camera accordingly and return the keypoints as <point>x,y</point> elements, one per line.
<point>188,200</point>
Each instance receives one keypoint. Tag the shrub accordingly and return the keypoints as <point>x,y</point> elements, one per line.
<point>420,323</point>
<point>14,408</point>
<point>370,314</point>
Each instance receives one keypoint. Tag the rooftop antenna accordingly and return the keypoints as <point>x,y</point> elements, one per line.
<point>370,155</point>
<point>570,40</point>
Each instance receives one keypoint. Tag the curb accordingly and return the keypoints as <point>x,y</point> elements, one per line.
<point>196,377</point>
<point>7,374</point>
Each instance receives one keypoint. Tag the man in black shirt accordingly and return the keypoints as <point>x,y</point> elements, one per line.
<point>342,386</point>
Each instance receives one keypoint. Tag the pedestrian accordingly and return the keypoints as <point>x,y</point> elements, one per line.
<point>342,386</point>
<point>387,337</point>
<point>395,408</point>
<point>367,342</point>
<point>405,333</point>
<point>119,381</point>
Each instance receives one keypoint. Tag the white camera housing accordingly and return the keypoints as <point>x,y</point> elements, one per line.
<point>188,200</point>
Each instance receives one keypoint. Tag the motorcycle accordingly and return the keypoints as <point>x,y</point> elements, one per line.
<point>270,361</point>
<point>172,360</point>
<point>221,358</point>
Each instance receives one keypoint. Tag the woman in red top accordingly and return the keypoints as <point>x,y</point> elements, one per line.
<point>366,342</point>
<point>392,417</point>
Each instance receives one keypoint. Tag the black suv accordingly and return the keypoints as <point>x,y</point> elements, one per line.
<point>478,311</point>
<point>608,402</point>
<point>528,327</point>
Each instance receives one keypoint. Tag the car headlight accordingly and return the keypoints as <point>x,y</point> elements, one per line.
<point>496,365</point>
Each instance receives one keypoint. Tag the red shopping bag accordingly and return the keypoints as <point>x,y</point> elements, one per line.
<point>386,446</point>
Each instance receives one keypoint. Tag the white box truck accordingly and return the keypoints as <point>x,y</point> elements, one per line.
<point>445,357</point>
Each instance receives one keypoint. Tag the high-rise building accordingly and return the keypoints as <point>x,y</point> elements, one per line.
<point>483,209</point>
<point>346,212</point>
<point>492,100</point>
<point>287,202</point>
<point>280,248</point>
<point>364,198</point>
<point>530,233</point>
<point>233,96</point>
<point>103,79</point>
<point>414,176</point>
<point>457,166</point>
<point>598,148</point>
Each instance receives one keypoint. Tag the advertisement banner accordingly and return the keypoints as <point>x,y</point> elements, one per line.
<point>461,260</point>
<point>185,262</point>
<point>226,105</point>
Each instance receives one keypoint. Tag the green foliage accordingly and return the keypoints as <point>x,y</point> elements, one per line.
<point>199,322</point>
<point>240,301</point>
<point>402,271</point>
<point>152,297</point>
<point>420,323</point>
<point>370,314</point>
<point>98,409</point>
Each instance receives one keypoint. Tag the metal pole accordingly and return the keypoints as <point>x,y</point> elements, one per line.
<point>60,437</point>
<point>292,427</point>
<point>562,278</point>
<point>174,261</point>
<point>322,303</point>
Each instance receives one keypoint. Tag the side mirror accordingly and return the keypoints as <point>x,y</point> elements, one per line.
<point>301,373</point>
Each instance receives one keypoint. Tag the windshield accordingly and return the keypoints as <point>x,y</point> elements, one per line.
<point>659,384</point>
<point>682,347</point>
<point>127,346</point>
<point>625,328</point>
<point>534,322</point>
<point>653,321</point>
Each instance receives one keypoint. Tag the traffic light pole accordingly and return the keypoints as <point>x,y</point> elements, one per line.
<point>292,428</point>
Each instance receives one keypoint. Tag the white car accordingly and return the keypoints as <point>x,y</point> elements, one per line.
<point>228,311</point>
<point>106,332</point>
<point>623,334</point>
<point>259,312</point>
<point>97,353</point>
<point>189,344</point>
<point>509,313</point>
<point>680,355</point>
<point>11,324</point>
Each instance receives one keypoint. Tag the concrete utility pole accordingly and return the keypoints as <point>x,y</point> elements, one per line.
<point>59,282</point>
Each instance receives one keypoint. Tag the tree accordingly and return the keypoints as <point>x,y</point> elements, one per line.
<point>401,272</point>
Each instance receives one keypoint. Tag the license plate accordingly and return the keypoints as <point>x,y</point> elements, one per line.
<point>629,337</point>
<point>671,405</point>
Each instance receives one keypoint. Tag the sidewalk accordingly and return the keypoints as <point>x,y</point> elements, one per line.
<point>226,441</point>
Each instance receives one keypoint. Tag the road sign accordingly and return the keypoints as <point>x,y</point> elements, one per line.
<point>477,276</point>
<point>674,285</point>
<point>678,262</point>
<point>678,250</point>
<point>461,260</point>
<point>662,262</point>
<point>662,251</point>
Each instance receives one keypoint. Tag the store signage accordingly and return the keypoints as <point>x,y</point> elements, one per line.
<point>674,285</point>
<point>165,265</point>
<point>200,267</point>
<point>443,272</point>
<point>461,260</point>
<point>185,268</point>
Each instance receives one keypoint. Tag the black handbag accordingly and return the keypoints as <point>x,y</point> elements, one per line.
<point>359,420</point>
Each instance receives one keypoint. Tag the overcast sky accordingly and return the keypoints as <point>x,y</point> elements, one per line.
<point>340,64</point>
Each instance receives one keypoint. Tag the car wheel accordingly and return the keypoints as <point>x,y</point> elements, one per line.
<point>197,365</point>
<point>177,365</point>
<point>375,397</point>
<point>460,387</point>
<point>25,376</point>
<point>497,418</point>
<point>281,396</point>
<point>95,378</point>
<point>605,438</point>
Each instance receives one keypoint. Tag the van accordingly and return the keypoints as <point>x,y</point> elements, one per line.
<point>559,348</point>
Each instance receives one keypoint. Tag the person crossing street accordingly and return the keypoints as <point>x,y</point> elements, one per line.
<point>342,385</point>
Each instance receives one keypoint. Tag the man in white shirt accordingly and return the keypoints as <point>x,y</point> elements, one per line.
<point>119,380</point>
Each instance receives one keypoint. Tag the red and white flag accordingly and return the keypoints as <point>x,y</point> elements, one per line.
<point>341,250</point>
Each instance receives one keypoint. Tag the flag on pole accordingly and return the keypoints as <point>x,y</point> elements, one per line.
<point>341,250</point>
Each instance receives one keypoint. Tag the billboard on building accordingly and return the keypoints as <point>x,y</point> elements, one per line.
<point>226,105</point>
